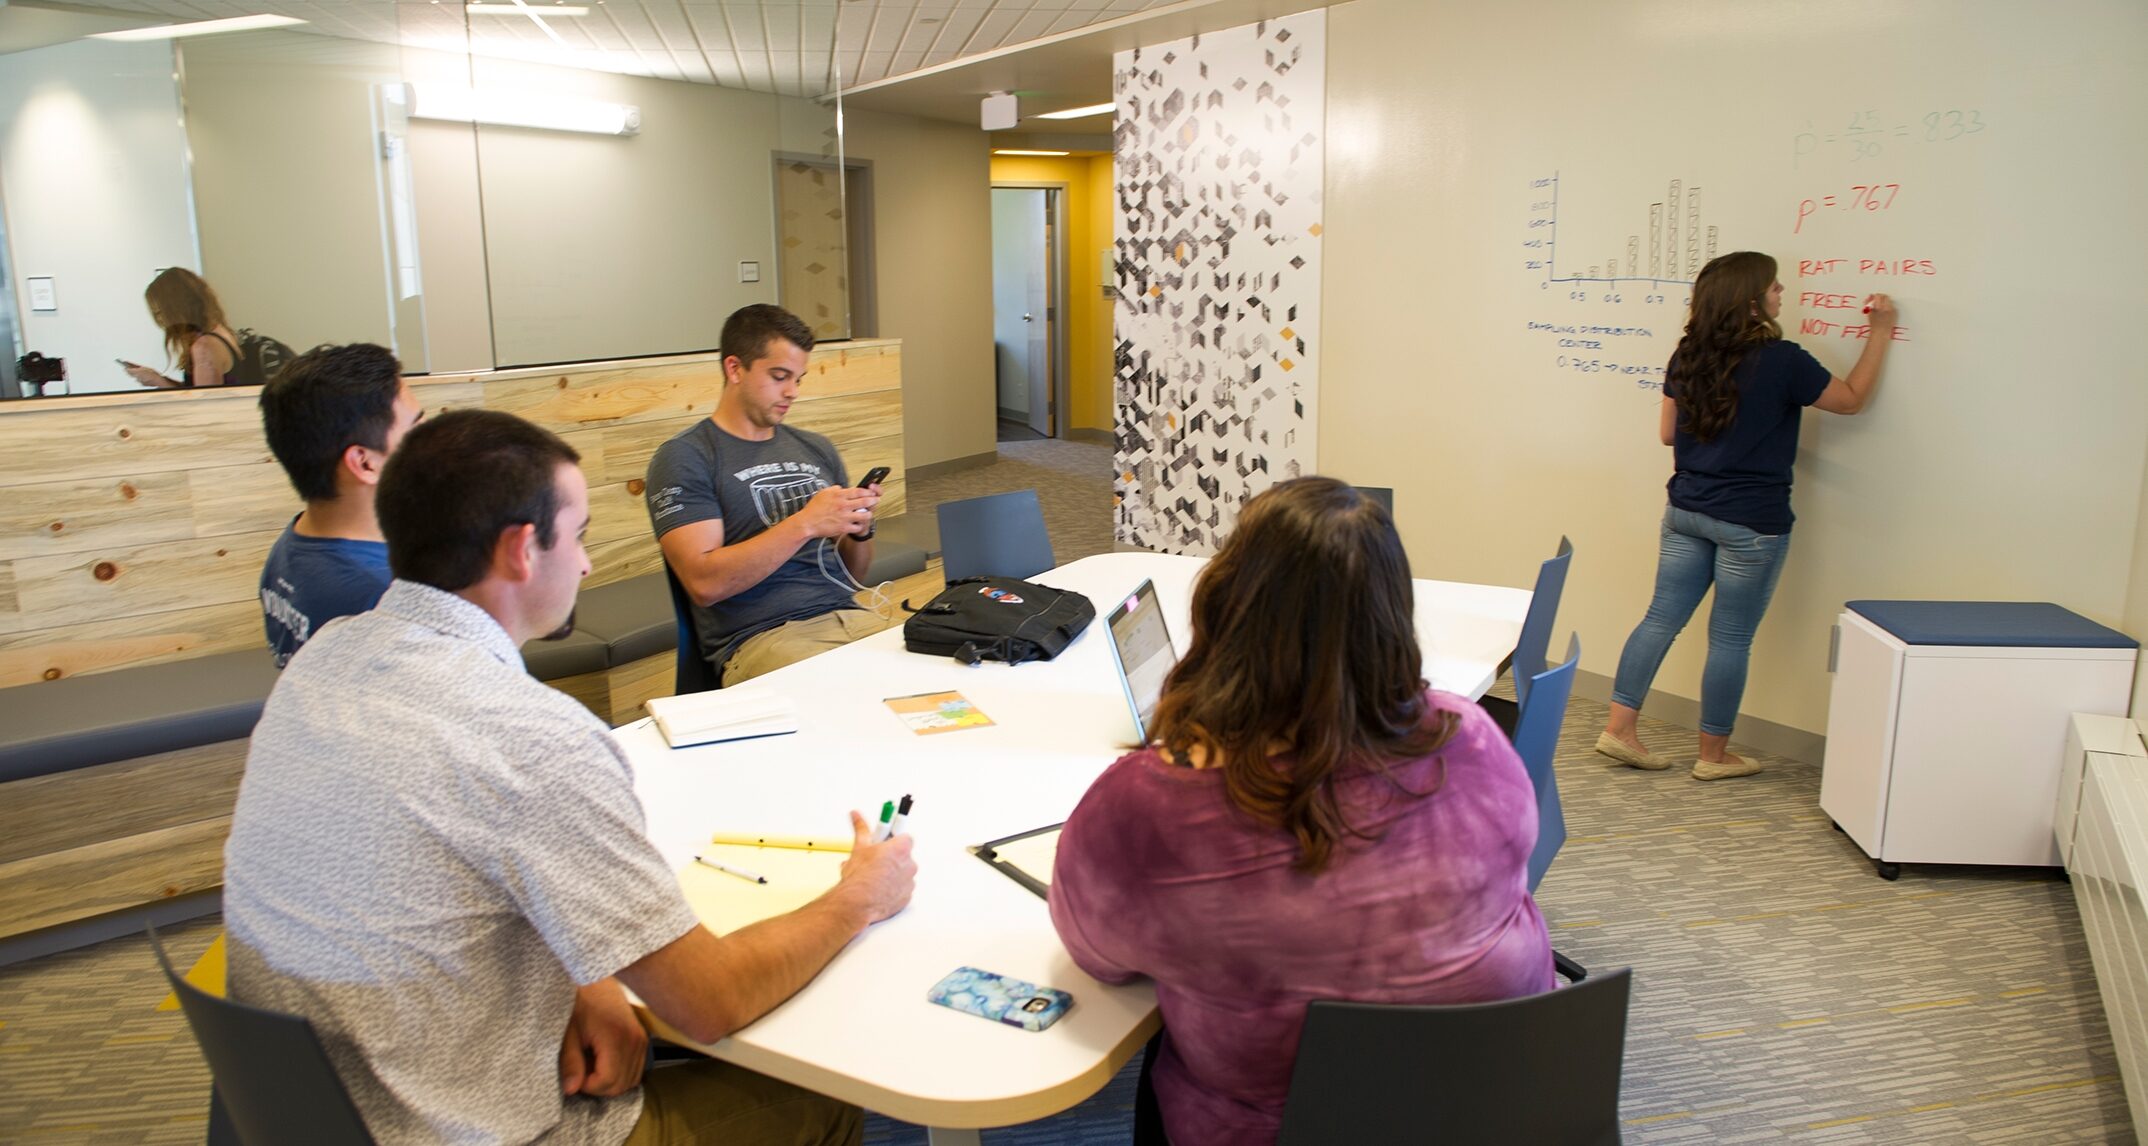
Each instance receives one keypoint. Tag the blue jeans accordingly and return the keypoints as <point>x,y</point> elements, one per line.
<point>1698,550</point>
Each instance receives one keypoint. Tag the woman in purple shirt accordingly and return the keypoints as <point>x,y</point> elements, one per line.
<point>1310,822</point>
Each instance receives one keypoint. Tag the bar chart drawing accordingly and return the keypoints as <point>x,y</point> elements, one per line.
<point>1680,240</point>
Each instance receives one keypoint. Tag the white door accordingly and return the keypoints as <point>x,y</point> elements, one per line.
<point>1021,304</point>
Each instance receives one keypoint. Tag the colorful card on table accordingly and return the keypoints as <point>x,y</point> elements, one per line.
<point>930,712</point>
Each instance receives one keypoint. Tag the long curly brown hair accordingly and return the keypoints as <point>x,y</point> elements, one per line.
<point>1728,318</point>
<point>1304,664</point>
<point>183,303</point>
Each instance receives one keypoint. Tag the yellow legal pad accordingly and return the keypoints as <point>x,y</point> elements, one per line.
<point>726,903</point>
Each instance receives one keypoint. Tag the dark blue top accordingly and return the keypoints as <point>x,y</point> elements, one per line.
<point>1743,475</point>
<point>310,581</point>
<point>1990,624</point>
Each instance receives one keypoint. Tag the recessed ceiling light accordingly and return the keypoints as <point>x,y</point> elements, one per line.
<point>1077,112</point>
<point>1013,151</point>
<point>200,28</point>
<point>518,10</point>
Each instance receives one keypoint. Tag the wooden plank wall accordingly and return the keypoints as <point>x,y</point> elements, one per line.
<point>133,526</point>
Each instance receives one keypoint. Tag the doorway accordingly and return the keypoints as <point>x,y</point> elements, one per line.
<point>1028,284</point>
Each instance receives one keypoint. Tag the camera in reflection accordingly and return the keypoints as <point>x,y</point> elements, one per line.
<point>37,371</point>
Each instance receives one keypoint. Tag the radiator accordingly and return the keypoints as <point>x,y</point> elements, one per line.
<point>2101,827</point>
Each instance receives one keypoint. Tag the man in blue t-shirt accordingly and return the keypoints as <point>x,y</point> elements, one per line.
<point>332,417</point>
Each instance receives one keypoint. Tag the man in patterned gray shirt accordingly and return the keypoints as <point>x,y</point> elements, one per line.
<point>442,863</point>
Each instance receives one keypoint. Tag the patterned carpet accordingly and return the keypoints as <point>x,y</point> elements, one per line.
<point>1073,484</point>
<point>1782,990</point>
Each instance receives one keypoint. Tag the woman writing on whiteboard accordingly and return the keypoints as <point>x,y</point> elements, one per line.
<point>1310,821</point>
<point>195,333</point>
<point>1732,396</point>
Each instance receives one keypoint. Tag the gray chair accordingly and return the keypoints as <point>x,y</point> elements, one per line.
<point>1536,741</point>
<point>1385,495</point>
<point>998,535</point>
<point>691,672</point>
<point>1543,1069</point>
<point>273,1082</point>
<point>1535,640</point>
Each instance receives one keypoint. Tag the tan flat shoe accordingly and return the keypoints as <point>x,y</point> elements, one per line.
<point>1729,767</point>
<point>1626,754</point>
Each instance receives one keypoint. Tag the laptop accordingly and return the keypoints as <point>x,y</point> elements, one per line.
<point>1141,651</point>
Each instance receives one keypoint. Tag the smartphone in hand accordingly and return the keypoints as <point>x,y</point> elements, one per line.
<point>875,476</point>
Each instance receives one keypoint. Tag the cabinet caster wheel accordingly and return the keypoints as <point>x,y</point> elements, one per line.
<point>1837,826</point>
<point>1888,871</point>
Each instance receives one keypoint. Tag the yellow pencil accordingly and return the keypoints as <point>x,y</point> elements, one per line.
<point>801,843</point>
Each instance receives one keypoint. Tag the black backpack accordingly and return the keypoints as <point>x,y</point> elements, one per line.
<point>998,619</point>
<point>260,357</point>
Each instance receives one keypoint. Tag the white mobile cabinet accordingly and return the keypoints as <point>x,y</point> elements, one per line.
<point>1947,722</point>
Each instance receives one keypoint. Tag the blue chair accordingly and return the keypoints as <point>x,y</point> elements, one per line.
<point>1535,639</point>
<point>998,535</point>
<point>1536,741</point>
<point>1542,1069</point>
<point>272,1081</point>
<point>692,671</point>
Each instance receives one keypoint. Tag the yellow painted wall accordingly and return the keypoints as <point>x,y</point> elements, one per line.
<point>1089,195</point>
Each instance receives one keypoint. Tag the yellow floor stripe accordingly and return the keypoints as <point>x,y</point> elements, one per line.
<point>1897,1009</point>
<point>207,974</point>
<point>1905,1008</point>
<point>1659,1118</point>
<point>2071,1084</point>
<point>136,1040</point>
<point>2000,1096</point>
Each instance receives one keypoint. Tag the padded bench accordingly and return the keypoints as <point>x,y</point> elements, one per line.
<point>116,788</point>
<point>632,625</point>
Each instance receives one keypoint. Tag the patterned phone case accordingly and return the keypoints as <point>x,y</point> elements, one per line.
<point>1000,999</point>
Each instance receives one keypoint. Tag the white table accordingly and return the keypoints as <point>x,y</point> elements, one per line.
<point>862,1031</point>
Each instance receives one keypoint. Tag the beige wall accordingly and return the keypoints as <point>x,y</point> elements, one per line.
<point>286,190</point>
<point>932,247</point>
<point>2136,619</point>
<point>615,246</point>
<point>2003,458</point>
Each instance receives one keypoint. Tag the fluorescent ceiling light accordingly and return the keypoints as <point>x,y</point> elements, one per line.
<point>1012,151</point>
<point>518,10</point>
<point>1077,112</point>
<point>200,28</point>
<point>506,108</point>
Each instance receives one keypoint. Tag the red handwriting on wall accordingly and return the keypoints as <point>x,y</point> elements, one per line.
<point>1812,268</point>
<point>1856,332</point>
<point>1870,198</point>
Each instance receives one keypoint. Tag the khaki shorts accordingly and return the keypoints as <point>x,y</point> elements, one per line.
<point>713,1101</point>
<point>790,643</point>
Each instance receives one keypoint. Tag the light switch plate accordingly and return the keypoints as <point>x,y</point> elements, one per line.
<point>749,272</point>
<point>42,296</point>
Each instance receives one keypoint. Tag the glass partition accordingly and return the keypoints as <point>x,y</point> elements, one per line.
<point>474,190</point>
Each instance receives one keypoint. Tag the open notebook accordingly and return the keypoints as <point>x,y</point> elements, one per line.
<point>724,714</point>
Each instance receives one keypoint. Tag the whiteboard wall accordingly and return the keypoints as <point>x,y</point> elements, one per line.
<point>1518,194</point>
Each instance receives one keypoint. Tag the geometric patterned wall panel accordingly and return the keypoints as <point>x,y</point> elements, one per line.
<point>1218,154</point>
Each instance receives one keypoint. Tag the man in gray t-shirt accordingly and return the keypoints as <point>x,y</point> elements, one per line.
<point>758,520</point>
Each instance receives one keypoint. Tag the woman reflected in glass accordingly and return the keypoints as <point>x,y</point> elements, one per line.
<point>196,336</point>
